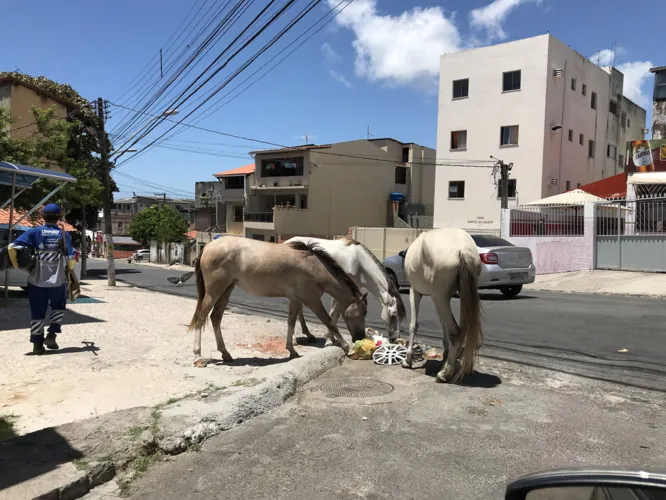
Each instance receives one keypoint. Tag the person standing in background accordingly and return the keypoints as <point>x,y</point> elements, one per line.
<point>47,283</point>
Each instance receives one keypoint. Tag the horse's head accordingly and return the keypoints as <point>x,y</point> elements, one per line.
<point>354,317</point>
<point>391,316</point>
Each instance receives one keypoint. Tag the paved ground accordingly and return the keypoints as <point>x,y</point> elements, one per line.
<point>607,282</point>
<point>422,440</point>
<point>575,333</point>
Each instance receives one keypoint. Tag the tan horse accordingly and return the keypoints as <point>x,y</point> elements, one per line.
<point>301,273</point>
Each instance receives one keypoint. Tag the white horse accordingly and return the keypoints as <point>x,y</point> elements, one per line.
<point>361,264</point>
<point>439,263</point>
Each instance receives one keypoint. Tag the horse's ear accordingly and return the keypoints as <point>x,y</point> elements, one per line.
<point>364,298</point>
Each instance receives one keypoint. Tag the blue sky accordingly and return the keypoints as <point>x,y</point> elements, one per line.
<point>374,65</point>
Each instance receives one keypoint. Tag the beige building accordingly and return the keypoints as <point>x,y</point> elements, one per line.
<point>321,190</point>
<point>20,97</point>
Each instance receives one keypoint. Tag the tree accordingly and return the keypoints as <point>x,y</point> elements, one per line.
<point>162,223</point>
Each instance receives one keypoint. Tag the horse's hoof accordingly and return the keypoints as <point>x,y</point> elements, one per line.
<point>311,339</point>
<point>201,363</point>
<point>294,355</point>
<point>406,364</point>
<point>227,357</point>
<point>328,343</point>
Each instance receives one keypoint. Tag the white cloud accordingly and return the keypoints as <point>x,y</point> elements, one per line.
<point>329,53</point>
<point>402,49</point>
<point>340,78</point>
<point>491,17</point>
<point>604,57</point>
<point>636,75</point>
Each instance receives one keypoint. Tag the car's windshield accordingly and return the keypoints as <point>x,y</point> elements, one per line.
<point>484,240</point>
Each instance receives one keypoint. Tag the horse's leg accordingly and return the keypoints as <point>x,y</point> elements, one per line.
<point>295,307</point>
<point>451,339</point>
<point>315,305</point>
<point>206,305</point>
<point>415,301</point>
<point>216,320</point>
<point>304,327</point>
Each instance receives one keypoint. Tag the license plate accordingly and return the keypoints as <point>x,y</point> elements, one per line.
<point>517,276</point>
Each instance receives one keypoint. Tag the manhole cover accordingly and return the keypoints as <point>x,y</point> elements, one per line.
<point>362,388</point>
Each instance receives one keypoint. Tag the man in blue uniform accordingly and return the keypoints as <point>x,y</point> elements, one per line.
<point>47,283</point>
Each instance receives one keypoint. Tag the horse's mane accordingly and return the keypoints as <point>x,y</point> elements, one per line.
<point>393,291</point>
<point>328,261</point>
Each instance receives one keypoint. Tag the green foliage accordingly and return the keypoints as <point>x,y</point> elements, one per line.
<point>70,143</point>
<point>162,223</point>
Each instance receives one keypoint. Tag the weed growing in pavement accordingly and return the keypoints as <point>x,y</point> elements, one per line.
<point>7,427</point>
<point>247,382</point>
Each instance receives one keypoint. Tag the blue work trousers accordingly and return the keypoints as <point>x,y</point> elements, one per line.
<point>40,298</point>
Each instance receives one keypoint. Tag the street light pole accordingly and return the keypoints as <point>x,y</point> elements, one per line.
<point>106,166</point>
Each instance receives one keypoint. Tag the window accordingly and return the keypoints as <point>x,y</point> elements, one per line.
<point>613,107</point>
<point>401,175</point>
<point>234,182</point>
<point>456,190</point>
<point>611,151</point>
<point>570,135</point>
<point>511,81</point>
<point>509,136</point>
<point>238,214</point>
<point>584,89</point>
<point>272,239</point>
<point>573,84</point>
<point>578,184</point>
<point>628,123</point>
<point>660,86</point>
<point>620,160</point>
<point>304,201</point>
<point>405,155</point>
<point>623,120</point>
<point>461,88</point>
<point>120,225</point>
<point>581,139</point>
<point>286,167</point>
<point>512,188</point>
<point>593,100</point>
<point>258,237</point>
<point>568,186</point>
<point>590,148</point>
<point>459,139</point>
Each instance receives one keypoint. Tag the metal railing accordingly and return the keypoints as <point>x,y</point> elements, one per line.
<point>643,216</point>
<point>547,220</point>
<point>258,216</point>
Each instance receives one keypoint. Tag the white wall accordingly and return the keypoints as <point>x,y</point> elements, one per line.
<point>482,114</point>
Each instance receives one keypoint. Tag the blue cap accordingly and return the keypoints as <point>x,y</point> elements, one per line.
<point>52,209</point>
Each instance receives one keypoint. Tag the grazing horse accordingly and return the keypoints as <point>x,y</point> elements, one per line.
<point>360,263</point>
<point>439,263</point>
<point>298,272</point>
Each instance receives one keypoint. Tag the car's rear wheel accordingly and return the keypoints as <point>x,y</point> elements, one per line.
<point>511,291</point>
<point>394,279</point>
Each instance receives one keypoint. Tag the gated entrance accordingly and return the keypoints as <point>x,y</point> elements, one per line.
<point>631,235</point>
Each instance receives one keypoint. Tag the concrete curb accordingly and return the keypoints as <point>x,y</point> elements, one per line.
<point>191,422</point>
<point>593,292</point>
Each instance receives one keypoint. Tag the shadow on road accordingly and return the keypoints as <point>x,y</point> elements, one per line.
<point>87,347</point>
<point>98,274</point>
<point>476,379</point>
<point>253,361</point>
<point>486,295</point>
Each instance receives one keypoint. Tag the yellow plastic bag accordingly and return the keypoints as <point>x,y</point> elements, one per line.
<point>364,349</point>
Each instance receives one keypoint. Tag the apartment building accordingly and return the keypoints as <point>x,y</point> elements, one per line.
<point>659,103</point>
<point>20,97</point>
<point>322,190</point>
<point>123,210</point>
<point>558,117</point>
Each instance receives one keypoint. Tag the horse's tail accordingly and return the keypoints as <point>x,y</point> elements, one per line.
<point>197,320</point>
<point>470,311</point>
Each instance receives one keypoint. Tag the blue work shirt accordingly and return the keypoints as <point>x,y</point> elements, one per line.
<point>51,263</point>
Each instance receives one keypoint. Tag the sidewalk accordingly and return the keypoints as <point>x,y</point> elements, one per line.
<point>603,282</point>
<point>125,359</point>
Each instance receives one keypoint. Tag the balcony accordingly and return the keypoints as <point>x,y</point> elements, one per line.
<point>258,220</point>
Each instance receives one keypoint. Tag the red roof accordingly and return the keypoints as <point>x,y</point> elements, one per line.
<point>609,188</point>
<point>244,170</point>
<point>30,221</point>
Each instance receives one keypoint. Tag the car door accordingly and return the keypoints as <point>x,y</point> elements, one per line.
<point>400,272</point>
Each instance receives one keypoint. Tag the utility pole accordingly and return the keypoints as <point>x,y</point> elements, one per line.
<point>504,182</point>
<point>108,228</point>
<point>84,243</point>
<point>159,224</point>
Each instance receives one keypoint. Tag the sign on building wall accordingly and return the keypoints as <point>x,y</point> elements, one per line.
<point>646,156</point>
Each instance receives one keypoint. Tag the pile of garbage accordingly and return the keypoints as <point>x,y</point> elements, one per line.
<point>383,352</point>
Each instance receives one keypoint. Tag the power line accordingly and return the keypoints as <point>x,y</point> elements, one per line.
<point>154,185</point>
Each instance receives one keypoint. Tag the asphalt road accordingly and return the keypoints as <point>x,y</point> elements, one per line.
<point>579,334</point>
<point>422,440</point>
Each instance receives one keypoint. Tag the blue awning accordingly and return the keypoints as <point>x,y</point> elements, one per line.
<point>27,176</point>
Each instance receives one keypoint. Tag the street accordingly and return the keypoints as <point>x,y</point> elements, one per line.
<point>421,440</point>
<point>581,334</point>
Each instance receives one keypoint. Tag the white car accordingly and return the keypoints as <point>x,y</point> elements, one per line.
<point>141,255</point>
<point>505,267</point>
<point>18,277</point>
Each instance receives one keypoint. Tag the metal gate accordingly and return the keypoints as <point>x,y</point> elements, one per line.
<point>631,235</point>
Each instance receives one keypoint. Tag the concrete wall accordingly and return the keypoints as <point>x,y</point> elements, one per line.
<point>558,254</point>
<point>22,100</point>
